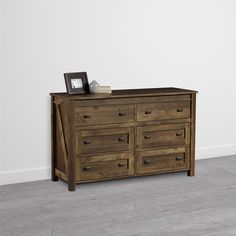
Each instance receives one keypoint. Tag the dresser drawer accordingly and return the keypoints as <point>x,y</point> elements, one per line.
<point>105,166</point>
<point>163,135</point>
<point>104,140</point>
<point>104,114</point>
<point>163,110</point>
<point>163,160</point>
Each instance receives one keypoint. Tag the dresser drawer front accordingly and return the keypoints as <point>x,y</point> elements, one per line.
<point>163,135</point>
<point>163,111</point>
<point>162,160</point>
<point>104,114</point>
<point>105,166</point>
<point>104,140</point>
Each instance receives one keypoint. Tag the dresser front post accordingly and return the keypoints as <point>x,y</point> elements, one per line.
<point>71,148</point>
<point>191,171</point>
<point>53,140</point>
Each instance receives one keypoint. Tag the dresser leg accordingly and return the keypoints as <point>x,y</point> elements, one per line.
<point>54,177</point>
<point>191,172</point>
<point>71,186</point>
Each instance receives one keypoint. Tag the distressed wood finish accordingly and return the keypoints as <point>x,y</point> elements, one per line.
<point>62,137</point>
<point>161,160</point>
<point>94,115</point>
<point>105,166</point>
<point>155,136</point>
<point>104,140</point>
<point>163,111</point>
<point>128,133</point>
<point>54,177</point>
<point>113,100</point>
<point>191,171</point>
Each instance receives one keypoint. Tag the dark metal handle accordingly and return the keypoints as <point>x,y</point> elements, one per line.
<point>87,142</point>
<point>87,168</point>
<point>180,110</point>
<point>179,134</point>
<point>122,114</point>
<point>146,162</point>
<point>179,158</point>
<point>122,139</point>
<point>148,112</point>
<point>87,116</point>
<point>147,136</point>
<point>121,164</point>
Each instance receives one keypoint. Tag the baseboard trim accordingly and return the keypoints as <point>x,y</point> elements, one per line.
<point>20,176</point>
<point>215,151</point>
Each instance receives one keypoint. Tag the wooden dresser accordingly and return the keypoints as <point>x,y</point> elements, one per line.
<point>132,132</point>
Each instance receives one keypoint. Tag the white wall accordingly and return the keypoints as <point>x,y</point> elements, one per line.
<point>122,43</point>
<point>1,90</point>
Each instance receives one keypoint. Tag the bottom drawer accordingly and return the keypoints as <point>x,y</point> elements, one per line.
<point>163,160</point>
<point>104,166</point>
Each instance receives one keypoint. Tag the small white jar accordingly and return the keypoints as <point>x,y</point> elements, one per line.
<point>94,87</point>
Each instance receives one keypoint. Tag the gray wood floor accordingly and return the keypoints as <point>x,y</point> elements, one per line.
<point>169,204</point>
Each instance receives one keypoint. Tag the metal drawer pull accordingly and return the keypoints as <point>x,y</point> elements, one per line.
<point>87,168</point>
<point>87,142</point>
<point>147,136</point>
<point>179,158</point>
<point>147,162</point>
<point>122,114</point>
<point>180,110</point>
<point>148,112</point>
<point>121,164</point>
<point>122,139</point>
<point>87,116</point>
<point>179,134</point>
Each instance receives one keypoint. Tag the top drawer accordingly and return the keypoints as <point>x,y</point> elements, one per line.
<point>163,110</point>
<point>104,114</point>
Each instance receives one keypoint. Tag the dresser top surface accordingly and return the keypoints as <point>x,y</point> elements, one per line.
<point>145,92</point>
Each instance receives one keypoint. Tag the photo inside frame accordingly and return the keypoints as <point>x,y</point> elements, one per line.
<point>76,83</point>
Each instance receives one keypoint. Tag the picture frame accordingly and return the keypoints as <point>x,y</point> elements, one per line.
<point>76,83</point>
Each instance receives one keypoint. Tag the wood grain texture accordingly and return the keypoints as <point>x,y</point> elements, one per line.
<point>104,114</point>
<point>124,93</point>
<point>163,135</point>
<point>163,110</point>
<point>71,150</point>
<point>93,132</point>
<point>104,140</point>
<point>103,170</point>
<point>108,101</point>
<point>191,171</point>
<point>162,160</point>
<point>62,137</point>
<point>53,141</point>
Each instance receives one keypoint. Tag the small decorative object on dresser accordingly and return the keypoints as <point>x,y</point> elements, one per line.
<point>132,132</point>
<point>95,88</point>
<point>104,89</point>
<point>76,83</point>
